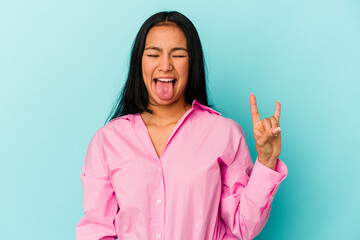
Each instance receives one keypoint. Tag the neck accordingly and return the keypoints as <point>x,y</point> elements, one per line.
<point>165,114</point>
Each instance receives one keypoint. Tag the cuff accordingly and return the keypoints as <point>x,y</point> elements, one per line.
<point>264,182</point>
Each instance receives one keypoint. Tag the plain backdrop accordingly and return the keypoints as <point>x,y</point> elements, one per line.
<point>63,63</point>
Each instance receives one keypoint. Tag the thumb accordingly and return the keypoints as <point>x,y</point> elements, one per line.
<point>268,134</point>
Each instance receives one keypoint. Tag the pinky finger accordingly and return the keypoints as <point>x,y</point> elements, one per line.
<point>277,110</point>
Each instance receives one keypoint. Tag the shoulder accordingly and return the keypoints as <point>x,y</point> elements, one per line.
<point>209,116</point>
<point>123,121</point>
<point>116,127</point>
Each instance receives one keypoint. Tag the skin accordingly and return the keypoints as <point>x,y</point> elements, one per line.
<point>267,134</point>
<point>166,55</point>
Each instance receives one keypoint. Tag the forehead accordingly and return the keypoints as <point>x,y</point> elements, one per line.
<point>165,35</point>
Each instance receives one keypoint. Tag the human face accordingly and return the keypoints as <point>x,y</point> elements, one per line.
<point>165,65</point>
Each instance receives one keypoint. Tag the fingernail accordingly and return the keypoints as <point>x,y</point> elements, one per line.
<point>276,131</point>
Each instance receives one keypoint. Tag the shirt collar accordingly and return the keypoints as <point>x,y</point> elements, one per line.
<point>197,105</point>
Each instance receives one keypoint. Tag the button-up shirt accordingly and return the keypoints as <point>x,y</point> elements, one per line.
<point>203,186</point>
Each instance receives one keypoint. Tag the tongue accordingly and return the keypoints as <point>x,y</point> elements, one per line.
<point>164,90</point>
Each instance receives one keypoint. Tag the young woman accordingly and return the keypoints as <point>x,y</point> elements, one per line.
<point>167,166</point>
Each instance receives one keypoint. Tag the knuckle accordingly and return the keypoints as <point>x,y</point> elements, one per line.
<point>266,123</point>
<point>274,122</point>
<point>272,118</point>
<point>265,120</point>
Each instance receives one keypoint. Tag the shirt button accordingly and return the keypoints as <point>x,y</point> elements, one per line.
<point>158,235</point>
<point>159,169</point>
<point>158,201</point>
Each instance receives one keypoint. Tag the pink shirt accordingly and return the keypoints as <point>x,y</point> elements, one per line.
<point>204,185</point>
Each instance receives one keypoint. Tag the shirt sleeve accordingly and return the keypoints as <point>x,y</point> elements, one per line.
<point>248,191</point>
<point>100,205</point>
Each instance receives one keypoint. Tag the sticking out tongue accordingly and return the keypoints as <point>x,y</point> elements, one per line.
<point>164,90</point>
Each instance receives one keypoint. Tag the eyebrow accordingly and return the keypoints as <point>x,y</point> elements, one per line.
<point>172,50</point>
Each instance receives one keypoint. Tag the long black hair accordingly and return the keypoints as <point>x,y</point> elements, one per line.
<point>134,96</point>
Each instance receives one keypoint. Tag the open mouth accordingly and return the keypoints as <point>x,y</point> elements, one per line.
<point>172,80</point>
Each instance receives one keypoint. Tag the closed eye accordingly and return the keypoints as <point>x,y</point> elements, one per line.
<point>151,55</point>
<point>179,56</point>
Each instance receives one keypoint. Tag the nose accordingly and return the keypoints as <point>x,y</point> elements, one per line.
<point>165,64</point>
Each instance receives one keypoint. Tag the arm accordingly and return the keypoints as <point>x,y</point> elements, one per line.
<point>100,205</point>
<point>248,191</point>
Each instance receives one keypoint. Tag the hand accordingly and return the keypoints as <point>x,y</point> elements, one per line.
<point>267,134</point>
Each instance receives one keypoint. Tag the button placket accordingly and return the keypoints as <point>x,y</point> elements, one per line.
<point>159,203</point>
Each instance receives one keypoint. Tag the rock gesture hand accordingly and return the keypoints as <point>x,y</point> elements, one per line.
<point>267,134</point>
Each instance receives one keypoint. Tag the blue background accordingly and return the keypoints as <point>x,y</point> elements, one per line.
<point>63,63</point>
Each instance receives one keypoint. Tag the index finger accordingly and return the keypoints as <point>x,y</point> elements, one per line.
<point>277,110</point>
<point>254,110</point>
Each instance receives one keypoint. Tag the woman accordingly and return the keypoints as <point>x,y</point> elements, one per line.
<point>167,166</point>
